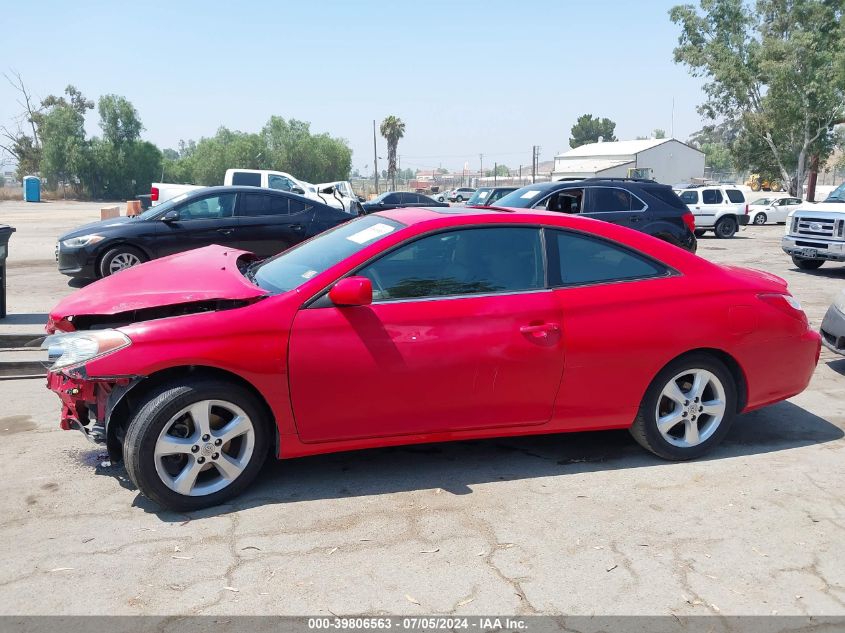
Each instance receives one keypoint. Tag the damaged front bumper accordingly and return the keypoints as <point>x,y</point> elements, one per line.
<point>87,403</point>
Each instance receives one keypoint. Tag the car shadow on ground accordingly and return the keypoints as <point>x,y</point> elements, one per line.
<point>456,466</point>
<point>75,282</point>
<point>25,318</point>
<point>837,365</point>
<point>832,270</point>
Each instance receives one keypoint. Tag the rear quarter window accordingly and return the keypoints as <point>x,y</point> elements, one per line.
<point>666,196</point>
<point>735,195</point>
<point>689,197</point>
<point>246,179</point>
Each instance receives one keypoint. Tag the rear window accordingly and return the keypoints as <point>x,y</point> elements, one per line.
<point>711,196</point>
<point>667,196</point>
<point>735,195</point>
<point>246,179</point>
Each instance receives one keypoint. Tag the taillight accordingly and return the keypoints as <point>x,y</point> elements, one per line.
<point>154,194</point>
<point>785,303</point>
<point>689,220</point>
<point>746,209</point>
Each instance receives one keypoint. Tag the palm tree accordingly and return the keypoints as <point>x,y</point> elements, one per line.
<point>392,129</point>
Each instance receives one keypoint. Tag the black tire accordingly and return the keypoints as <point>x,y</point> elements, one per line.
<point>699,232</point>
<point>157,408</point>
<point>725,228</point>
<point>107,261</point>
<point>459,199</point>
<point>807,264</point>
<point>645,431</point>
<point>760,219</point>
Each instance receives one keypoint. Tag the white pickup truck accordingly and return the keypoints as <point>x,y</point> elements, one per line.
<point>815,233</point>
<point>335,194</point>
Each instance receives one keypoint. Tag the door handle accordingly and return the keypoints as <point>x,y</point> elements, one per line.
<point>635,218</point>
<point>296,227</point>
<point>541,330</point>
<point>225,231</point>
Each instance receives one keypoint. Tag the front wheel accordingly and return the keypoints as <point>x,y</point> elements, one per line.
<point>119,259</point>
<point>687,409</point>
<point>725,228</point>
<point>760,218</point>
<point>807,264</point>
<point>196,444</point>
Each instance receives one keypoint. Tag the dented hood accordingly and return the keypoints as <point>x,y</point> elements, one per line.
<point>204,274</point>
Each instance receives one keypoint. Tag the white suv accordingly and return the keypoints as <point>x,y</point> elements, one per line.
<point>716,208</point>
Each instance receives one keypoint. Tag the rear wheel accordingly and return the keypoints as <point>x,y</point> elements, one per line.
<point>687,409</point>
<point>807,264</point>
<point>196,444</point>
<point>760,218</point>
<point>119,259</point>
<point>725,228</point>
<point>459,199</point>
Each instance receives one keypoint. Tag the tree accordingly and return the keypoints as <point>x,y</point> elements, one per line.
<point>658,133</point>
<point>588,130</point>
<point>775,70</point>
<point>500,170</point>
<point>64,150</point>
<point>118,120</point>
<point>392,129</point>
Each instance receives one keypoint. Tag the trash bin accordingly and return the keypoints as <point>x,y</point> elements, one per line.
<point>32,189</point>
<point>5,232</point>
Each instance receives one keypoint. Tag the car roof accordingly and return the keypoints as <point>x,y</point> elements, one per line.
<point>422,219</point>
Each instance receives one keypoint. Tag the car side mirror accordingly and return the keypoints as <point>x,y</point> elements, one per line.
<point>352,291</point>
<point>298,190</point>
<point>170,216</point>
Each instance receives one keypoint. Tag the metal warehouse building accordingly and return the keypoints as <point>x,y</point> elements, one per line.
<point>666,160</point>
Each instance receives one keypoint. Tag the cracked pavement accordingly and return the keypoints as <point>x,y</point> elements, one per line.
<point>575,524</point>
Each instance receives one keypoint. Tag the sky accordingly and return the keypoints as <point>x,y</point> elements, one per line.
<point>466,77</point>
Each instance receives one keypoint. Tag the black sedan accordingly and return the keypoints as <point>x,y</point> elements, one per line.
<point>263,221</point>
<point>400,199</point>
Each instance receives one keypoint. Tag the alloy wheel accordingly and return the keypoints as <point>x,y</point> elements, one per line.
<point>204,448</point>
<point>122,261</point>
<point>690,408</point>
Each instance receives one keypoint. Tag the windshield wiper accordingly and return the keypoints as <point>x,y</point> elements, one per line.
<point>250,271</point>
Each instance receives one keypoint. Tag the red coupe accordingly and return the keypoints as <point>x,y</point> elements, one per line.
<point>417,325</point>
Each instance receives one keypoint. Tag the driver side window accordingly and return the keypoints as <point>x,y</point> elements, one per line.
<point>209,208</point>
<point>462,262</point>
<point>279,182</point>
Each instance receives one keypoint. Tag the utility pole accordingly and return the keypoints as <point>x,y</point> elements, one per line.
<point>495,173</point>
<point>481,169</point>
<point>533,164</point>
<point>375,155</point>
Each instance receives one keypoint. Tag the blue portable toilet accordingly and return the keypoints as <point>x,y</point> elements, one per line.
<point>32,189</point>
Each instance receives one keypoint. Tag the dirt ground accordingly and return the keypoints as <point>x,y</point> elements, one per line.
<point>571,524</point>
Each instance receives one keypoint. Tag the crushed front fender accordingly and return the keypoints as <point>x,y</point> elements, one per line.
<point>87,402</point>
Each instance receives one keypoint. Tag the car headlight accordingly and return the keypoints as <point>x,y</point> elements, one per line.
<point>76,348</point>
<point>840,302</point>
<point>85,240</point>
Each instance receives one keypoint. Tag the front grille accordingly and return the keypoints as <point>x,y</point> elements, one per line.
<point>814,227</point>
<point>811,244</point>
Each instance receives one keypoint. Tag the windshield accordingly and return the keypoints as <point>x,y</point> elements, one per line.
<point>480,195</point>
<point>523,198</point>
<point>837,195</point>
<point>297,265</point>
<point>165,206</point>
<point>762,201</point>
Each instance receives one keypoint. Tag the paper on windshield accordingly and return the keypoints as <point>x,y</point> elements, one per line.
<point>483,194</point>
<point>529,194</point>
<point>370,233</point>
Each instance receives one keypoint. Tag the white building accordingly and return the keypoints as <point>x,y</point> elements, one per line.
<point>666,160</point>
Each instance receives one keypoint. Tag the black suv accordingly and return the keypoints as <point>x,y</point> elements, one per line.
<point>643,205</point>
